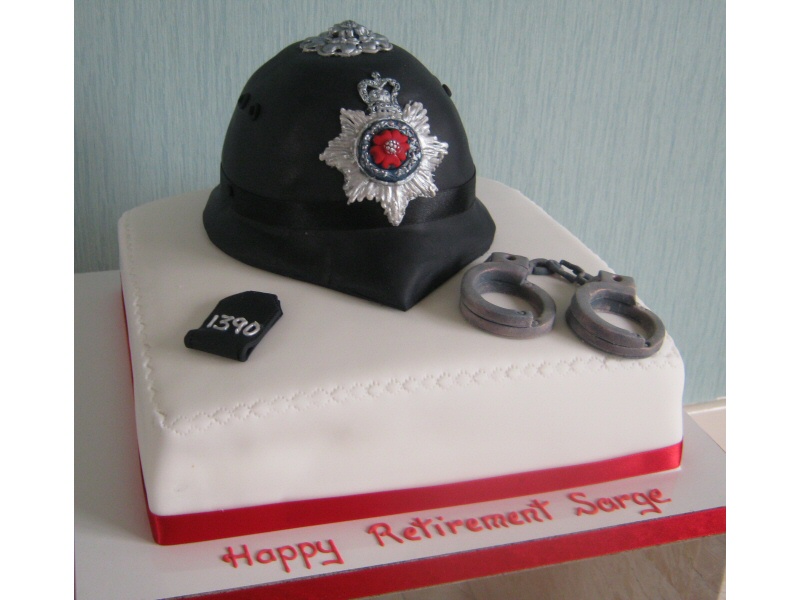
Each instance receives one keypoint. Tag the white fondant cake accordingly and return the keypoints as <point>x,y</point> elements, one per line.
<point>346,397</point>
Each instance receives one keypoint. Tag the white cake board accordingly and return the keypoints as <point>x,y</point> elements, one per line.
<point>116,557</point>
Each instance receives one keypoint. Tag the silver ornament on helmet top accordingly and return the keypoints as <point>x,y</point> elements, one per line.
<point>347,38</point>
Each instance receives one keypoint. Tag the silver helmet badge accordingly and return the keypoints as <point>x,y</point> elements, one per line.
<point>385,153</point>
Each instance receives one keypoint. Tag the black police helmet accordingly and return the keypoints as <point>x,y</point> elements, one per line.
<point>346,165</point>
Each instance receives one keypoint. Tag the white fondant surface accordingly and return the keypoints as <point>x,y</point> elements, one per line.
<point>344,396</point>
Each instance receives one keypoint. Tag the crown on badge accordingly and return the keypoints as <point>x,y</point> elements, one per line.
<point>377,97</point>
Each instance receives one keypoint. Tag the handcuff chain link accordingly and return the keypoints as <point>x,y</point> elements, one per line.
<point>566,270</point>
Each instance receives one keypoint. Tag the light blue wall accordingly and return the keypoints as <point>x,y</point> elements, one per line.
<point>610,114</point>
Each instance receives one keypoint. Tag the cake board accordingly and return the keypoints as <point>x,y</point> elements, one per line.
<point>116,557</point>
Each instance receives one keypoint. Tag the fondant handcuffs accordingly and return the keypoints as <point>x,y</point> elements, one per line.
<point>603,293</point>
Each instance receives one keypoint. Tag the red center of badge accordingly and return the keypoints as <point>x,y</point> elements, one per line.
<point>389,148</point>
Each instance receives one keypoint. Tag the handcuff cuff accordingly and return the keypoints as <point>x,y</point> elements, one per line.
<point>602,293</point>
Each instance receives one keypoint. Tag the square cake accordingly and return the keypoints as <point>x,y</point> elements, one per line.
<point>350,409</point>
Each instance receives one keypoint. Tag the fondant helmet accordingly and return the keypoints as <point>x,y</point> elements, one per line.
<point>346,165</point>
